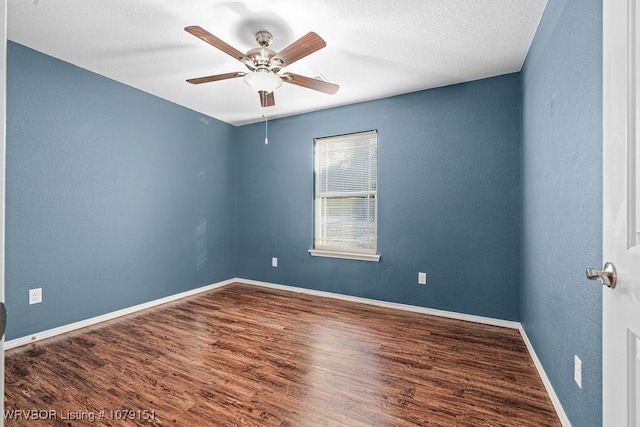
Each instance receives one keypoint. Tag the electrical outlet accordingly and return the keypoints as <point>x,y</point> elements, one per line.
<point>422,278</point>
<point>577,370</point>
<point>35,296</point>
<point>274,262</point>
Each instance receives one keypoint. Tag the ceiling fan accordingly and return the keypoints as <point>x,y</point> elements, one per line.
<point>264,64</point>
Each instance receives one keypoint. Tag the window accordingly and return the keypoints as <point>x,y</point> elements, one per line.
<point>345,202</point>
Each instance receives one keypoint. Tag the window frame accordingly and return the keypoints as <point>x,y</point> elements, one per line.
<point>353,254</point>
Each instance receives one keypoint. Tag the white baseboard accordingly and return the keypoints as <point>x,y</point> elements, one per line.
<point>545,380</point>
<point>17,342</point>
<point>416,309</point>
<point>406,307</point>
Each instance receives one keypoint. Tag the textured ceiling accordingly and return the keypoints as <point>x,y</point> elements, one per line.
<point>375,48</point>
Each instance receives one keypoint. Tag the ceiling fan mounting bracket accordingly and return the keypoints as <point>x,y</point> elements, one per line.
<point>264,38</point>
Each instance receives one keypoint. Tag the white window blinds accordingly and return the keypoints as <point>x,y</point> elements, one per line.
<point>346,169</point>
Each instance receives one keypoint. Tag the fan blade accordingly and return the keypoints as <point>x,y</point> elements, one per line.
<point>310,83</point>
<point>267,99</point>
<point>215,78</point>
<point>203,34</point>
<point>300,48</point>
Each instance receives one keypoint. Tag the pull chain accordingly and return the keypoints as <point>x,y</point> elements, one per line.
<point>266,127</point>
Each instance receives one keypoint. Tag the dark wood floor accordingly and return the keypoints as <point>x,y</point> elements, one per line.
<point>245,355</point>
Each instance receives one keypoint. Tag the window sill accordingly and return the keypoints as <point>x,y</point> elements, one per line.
<point>345,255</point>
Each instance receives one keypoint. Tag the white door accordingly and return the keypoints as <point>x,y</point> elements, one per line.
<point>621,212</point>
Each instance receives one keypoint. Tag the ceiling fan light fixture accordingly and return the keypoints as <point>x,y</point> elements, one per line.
<point>263,81</point>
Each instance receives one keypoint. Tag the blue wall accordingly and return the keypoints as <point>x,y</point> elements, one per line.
<point>449,199</point>
<point>493,187</point>
<point>561,311</point>
<point>114,197</point>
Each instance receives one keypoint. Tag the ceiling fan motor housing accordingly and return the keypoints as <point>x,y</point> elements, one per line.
<point>262,56</point>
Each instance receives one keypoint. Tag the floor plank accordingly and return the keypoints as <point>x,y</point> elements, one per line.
<point>244,355</point>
